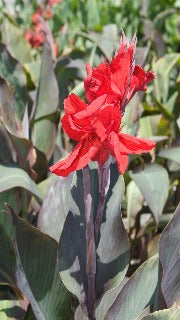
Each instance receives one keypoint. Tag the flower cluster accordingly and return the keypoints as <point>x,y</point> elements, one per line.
<point>39,34</point>
<point>97,125</point>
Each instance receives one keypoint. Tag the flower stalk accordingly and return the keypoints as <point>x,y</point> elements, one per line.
<point>90,245</point>
<point>104,180</point>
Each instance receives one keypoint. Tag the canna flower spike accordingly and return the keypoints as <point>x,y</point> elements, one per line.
<point>120,79</point>
<point>97,125</point>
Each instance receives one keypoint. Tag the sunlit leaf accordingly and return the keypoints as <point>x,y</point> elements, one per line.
<point>11,177</point>
<point>16,43</point>
<point>108,38</point>
<point>36,272</point>
<point>166,314</point>
<point>47,103</point>
<point>12,309</point>
<point>135,201</point>
<point>56,206</point>
<point>153,182</point>
<point>133,297</point>
<point>162,68</point>
<point>11,70</point>
<point>7,255</point>
<point>66,70</point>
<point>169,256</point>
<point>93,14</point>
<point>171,154</point>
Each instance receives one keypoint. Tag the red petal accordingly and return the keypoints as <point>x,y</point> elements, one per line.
<point>125,55</point>
<point>92,108</point>
<point>122,159</point>
<point>74,132</point>
<point>74,104</point>
<point>78,159</point>
<point>101,156</point>
<point>110,117</point>
<point>97,81</point>
<point>122,66</point>
<point>100,130</point>
<point>134,145</point>
<point>139,80</point>
<point>150,75</point>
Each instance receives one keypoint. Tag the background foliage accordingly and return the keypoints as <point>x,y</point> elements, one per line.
<point>33,85</point>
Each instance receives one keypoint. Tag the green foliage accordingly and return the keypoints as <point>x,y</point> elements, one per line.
<point>37,266</point>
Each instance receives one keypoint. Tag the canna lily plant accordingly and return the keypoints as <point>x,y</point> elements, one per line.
<point>83,270</point>
<point>96,127</point>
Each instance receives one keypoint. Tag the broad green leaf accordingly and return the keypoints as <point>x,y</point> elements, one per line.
<point>7,106</point>
<point>21,149</point>
<point>171,154</point>
<point>66,70</point>
<point>44,137</point>
<point>93,14</point>
<point>55,207</point>
<point>108,39</point>
<point>11,70</point>
<point>45,185</point>
<point>10,197</point>
<point>153,182</point>
<point>137,292</point>
<point>33,69</point>
<point>12,309</point>
<point>44,132</point>
<point>145,127</point>
<point>145,312</point>
<point>153,246</point>
<point>37,273</point>
<point>170,104</point>
<point>169,256</point>
<point>141,54</point>
<point>131,115</point>
<point>15,41</point>
<point>112,249</point>
<point>151,33</point>
<point>162,67</point>
<point>6,155</point>
<point>166,113</point>
<point>48,94</point>
<point>166,314</point>
<point>162,16</point>
<point>7,254</point>
<point>135,201</point>
<point>11,177</point>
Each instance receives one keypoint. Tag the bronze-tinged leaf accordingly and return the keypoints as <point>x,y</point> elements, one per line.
<point>112,249</point>
<point>169,255</point>
<point>36,271</point>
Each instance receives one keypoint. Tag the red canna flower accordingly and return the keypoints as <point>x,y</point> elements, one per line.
<point>52,2</point>
<point>120,79</point>
<point>35,17</point>
<point>35,37</point>
<point>97,129</point>
<point>48,13</point>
